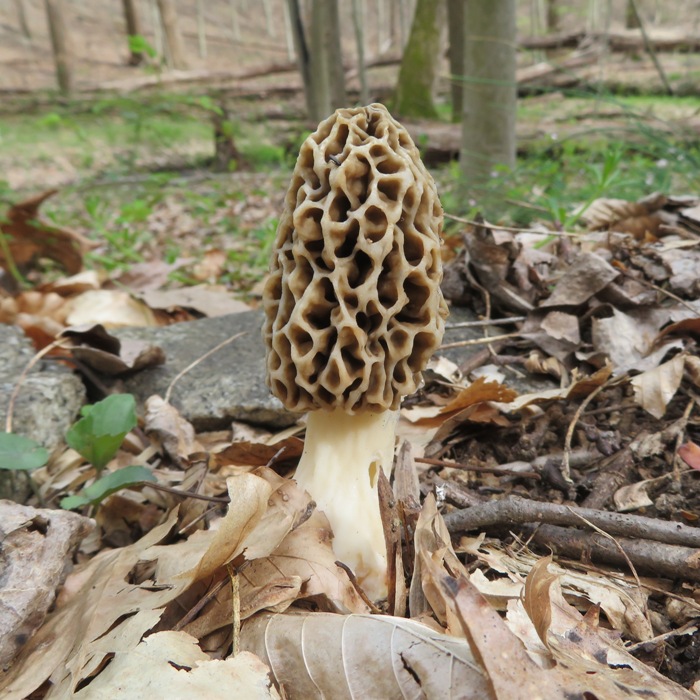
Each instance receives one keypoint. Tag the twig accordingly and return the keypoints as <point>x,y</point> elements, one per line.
<point>485,322</point>
<point>476,468</point>
<point>478,341</point>
<point>518,511</point>
<point>358,588</point>
<point>513,229</point>
<point>236,608</point>
<point>199,605</point>
<point>679,439</point>
<point>192,365</point>
<point>188,494</point>
<point>565,467</point>
<point>688,628</point>
<point>626,558</point>
<point>652,557</point>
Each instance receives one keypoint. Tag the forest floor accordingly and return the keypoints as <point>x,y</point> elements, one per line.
<point>597,296</point>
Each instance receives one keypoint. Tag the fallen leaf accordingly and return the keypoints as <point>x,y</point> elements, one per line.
<point>171,665</point>
<point>30,238</point>
<point>654,388</point>
<point>111,308</point>
<point>689,452</point>
<point>363,656</point>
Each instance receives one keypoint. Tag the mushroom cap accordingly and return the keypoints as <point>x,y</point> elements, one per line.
<point>353,303</point>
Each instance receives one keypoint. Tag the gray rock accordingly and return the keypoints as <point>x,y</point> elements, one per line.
<point>228,385</point>
<point>50,396</point>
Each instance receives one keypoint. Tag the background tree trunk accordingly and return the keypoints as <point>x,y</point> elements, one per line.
<point>173,38</point>
<point>488,118</point>
<point>22,19</point>
<point>358,23</point>
<point>552,16</point>
<point>133,28</point>
<point>631,19</point>
<point>414,89</point>
<point>455,32</point>
<point>59,44</point>
<point>320,59</point>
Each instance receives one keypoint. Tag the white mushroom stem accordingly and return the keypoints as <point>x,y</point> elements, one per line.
<point>340,469</point>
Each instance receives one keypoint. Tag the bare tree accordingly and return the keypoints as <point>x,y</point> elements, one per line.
<point>455,33</point>
<point>319,57</point>
<point>22,19</point>
<point>59,44</point>
<point>488,117</point>
<point>414,90</point>
<point>173,38</point>
<point>133,28</point>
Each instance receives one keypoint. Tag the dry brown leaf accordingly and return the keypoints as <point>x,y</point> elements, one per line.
<point>586,654</point>
<point>586,276</point>
<point>111,308</point>
<point>637,218</point>
<point>171,665</point>
<point>632,497</point>
<point>346,657</point>
<point>259,454</point>
<point>654,388</point>
<point>30,238</point>
<point>207,300</point>
<point>211,266</point>
<point>433,550</point>
<point>173,432</point>
<point>107,354</point>
<point>689,452</point>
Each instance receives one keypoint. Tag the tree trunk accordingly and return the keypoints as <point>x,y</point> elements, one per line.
<point>552,16</point>
<point>22,19</point>
<point>488,118</point>
<point>201,30</point>
<point>455,31</point>
<point>320,60</point>
<point>59,44</point>
<point>414,89</point>
<point>173,38</point>
<point>358,23</point>
<point>133,28</point>
<point>631,18</point>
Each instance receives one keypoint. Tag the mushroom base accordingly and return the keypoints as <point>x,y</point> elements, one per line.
<point>340,469</point>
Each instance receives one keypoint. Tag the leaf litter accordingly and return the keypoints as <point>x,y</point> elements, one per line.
<point>168,583</point>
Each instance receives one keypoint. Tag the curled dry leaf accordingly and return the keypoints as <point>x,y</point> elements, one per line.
<point>654,388</point>
<point>171,665</point>
<point>345,657</point>
<point>107,354</point>
<point>589,658</point>
<point>109,307</point>
<point>171,430</point>
<point>586,276</point>
<point>30,238</point>
<point>689,452</point>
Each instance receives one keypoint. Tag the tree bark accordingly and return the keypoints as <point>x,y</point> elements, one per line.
<point>552,16</point>
<point>490,91</point>
<point>455,31</point>
<point>59,44</point>
<point>414,89</point>
<point>22,19</point>
<point>133,28</point>
<point>173,38</point>
<point>631,18</point>
<point>357,20</point>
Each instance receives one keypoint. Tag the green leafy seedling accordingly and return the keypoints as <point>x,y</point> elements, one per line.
<point>18,453</point>
<point>107,485</point>
<point>100,432</point>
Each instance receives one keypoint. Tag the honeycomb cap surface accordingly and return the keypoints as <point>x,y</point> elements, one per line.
<point>353,303</point>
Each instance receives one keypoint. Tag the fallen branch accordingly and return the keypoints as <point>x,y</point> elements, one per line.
<point>617,41</point>
<point>520,511</point>
<point>648,556</point>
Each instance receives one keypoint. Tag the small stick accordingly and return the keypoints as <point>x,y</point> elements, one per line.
<point>236,608</point>
<point>187,494</point>
<point>655,558</point>
<point>485,322</point>
<point>478,341</point>
<point>192,365</point>
<point>475,468</point>
<point>358,588</point>
<point>518,511</point>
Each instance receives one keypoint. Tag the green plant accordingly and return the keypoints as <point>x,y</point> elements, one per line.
<point>97,436</point>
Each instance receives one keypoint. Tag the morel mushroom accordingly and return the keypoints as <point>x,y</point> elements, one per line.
<point>353,313</point>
